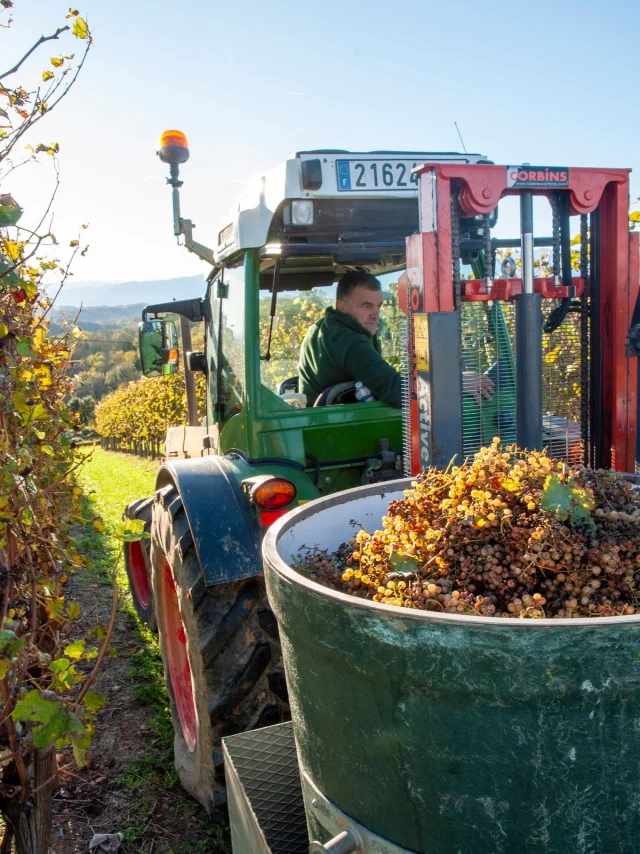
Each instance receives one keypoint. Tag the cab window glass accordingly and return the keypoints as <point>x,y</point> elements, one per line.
<point>296,311</point>
<point>233,340</point>
<point>225,344</point>
<point>392,326</point>
<point>212,349</point>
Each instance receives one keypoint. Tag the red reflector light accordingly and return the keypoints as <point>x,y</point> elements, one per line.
<point>273,494</point>
<point>268,517</point>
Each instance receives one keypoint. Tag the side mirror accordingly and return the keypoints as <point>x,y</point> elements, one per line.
<point>159,352</point>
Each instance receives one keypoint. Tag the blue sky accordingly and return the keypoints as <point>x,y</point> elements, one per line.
<point>546,83</point>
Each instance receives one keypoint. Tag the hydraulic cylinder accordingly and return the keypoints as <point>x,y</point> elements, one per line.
<point>528,341</point>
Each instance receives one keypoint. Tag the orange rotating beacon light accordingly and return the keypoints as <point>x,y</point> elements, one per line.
<point>174,150</point>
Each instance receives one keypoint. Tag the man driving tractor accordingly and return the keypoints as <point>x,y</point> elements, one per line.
<point>343,346</point>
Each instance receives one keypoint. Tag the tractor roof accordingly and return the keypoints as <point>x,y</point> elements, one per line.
<point>322,174</point>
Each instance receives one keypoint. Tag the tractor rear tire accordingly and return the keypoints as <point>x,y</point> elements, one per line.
<point>220,650</point>
<point>137,563</point>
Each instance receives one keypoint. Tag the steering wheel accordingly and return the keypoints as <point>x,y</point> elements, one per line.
<point>337,393</point>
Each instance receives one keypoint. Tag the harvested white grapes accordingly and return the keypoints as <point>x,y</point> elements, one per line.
<point>511,534</point>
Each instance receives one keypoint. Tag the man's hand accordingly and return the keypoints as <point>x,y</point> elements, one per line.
<point>477,384</point>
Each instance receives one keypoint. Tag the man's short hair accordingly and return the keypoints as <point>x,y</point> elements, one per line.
<point>352,279</point>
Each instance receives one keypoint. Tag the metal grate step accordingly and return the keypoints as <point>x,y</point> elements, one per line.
<point>266,809</point>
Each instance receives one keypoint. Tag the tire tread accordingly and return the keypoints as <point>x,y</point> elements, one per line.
<point>235,655</point>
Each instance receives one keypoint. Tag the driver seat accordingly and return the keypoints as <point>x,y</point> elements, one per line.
<point>290,384</point>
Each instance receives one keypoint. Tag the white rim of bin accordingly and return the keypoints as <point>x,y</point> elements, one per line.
<point>271,556</point>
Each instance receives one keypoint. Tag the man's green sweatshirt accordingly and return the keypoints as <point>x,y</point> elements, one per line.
<point>337,349</point>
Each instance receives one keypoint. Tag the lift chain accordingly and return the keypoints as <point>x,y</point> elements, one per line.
<point>556,251</point>
<point>455,249</point>
<point>584,340</point>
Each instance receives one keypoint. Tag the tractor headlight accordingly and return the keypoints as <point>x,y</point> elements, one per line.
<point>299,212</point>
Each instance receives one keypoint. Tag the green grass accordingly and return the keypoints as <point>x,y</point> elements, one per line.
<point>110,481</point>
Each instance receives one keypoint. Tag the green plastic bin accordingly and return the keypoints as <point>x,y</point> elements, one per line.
<point>447,734</point>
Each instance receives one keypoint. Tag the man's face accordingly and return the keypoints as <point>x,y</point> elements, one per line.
<point>364,306</point>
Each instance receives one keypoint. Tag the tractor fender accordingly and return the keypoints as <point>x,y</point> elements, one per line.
<point>224,533</point>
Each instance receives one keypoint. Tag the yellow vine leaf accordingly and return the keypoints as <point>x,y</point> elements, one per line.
<point>80,28</point>
<point>74,610</point>
<point>52,149</point>
<point>57,61</point>
<point>12,249</point>
<point>47,75</point>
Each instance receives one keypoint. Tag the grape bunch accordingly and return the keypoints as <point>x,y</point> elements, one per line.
<point>510,534</point>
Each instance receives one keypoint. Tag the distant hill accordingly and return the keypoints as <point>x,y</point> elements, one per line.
<point>131,293</point>
<point>96,318</point>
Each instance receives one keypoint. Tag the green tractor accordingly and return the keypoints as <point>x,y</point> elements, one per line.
<point>261,449</point>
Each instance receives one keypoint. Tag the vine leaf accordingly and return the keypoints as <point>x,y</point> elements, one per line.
<point>81,745</point>
<point>74,609</point>
<point>403,563</point>
<point>54,718</point>
<point>93,702</point>
<point>12,248</point>
<point>10,210</point>
<point>568,502</point>
<point>130,530</point>
<point>80,28</point>
<point>76,649</point>
<point>23,347</point>
<point>10,643</point>
<point>510,484</point>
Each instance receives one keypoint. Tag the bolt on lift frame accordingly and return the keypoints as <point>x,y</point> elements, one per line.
<point>612,288</point>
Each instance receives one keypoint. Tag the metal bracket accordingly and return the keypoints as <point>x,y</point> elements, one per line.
<point>204,252</point>
<point>345,831</point>
<point>346,842</point>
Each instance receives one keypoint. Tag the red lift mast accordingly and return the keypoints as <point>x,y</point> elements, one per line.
<point>612,286</point>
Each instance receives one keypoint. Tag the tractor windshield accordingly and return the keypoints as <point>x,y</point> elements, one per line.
<point>295,312</point>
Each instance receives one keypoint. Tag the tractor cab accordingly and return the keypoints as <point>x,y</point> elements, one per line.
<point>278,257</point>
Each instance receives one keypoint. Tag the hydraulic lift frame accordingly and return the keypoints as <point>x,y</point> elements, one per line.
<point>612,287</point>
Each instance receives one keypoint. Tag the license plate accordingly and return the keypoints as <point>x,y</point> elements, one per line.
<point>362,176</point>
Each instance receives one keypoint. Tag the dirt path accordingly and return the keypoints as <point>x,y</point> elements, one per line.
<point>130,785</point>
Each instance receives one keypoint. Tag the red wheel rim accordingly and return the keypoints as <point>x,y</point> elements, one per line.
<point>138,574</point>
<point>175,641</point>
